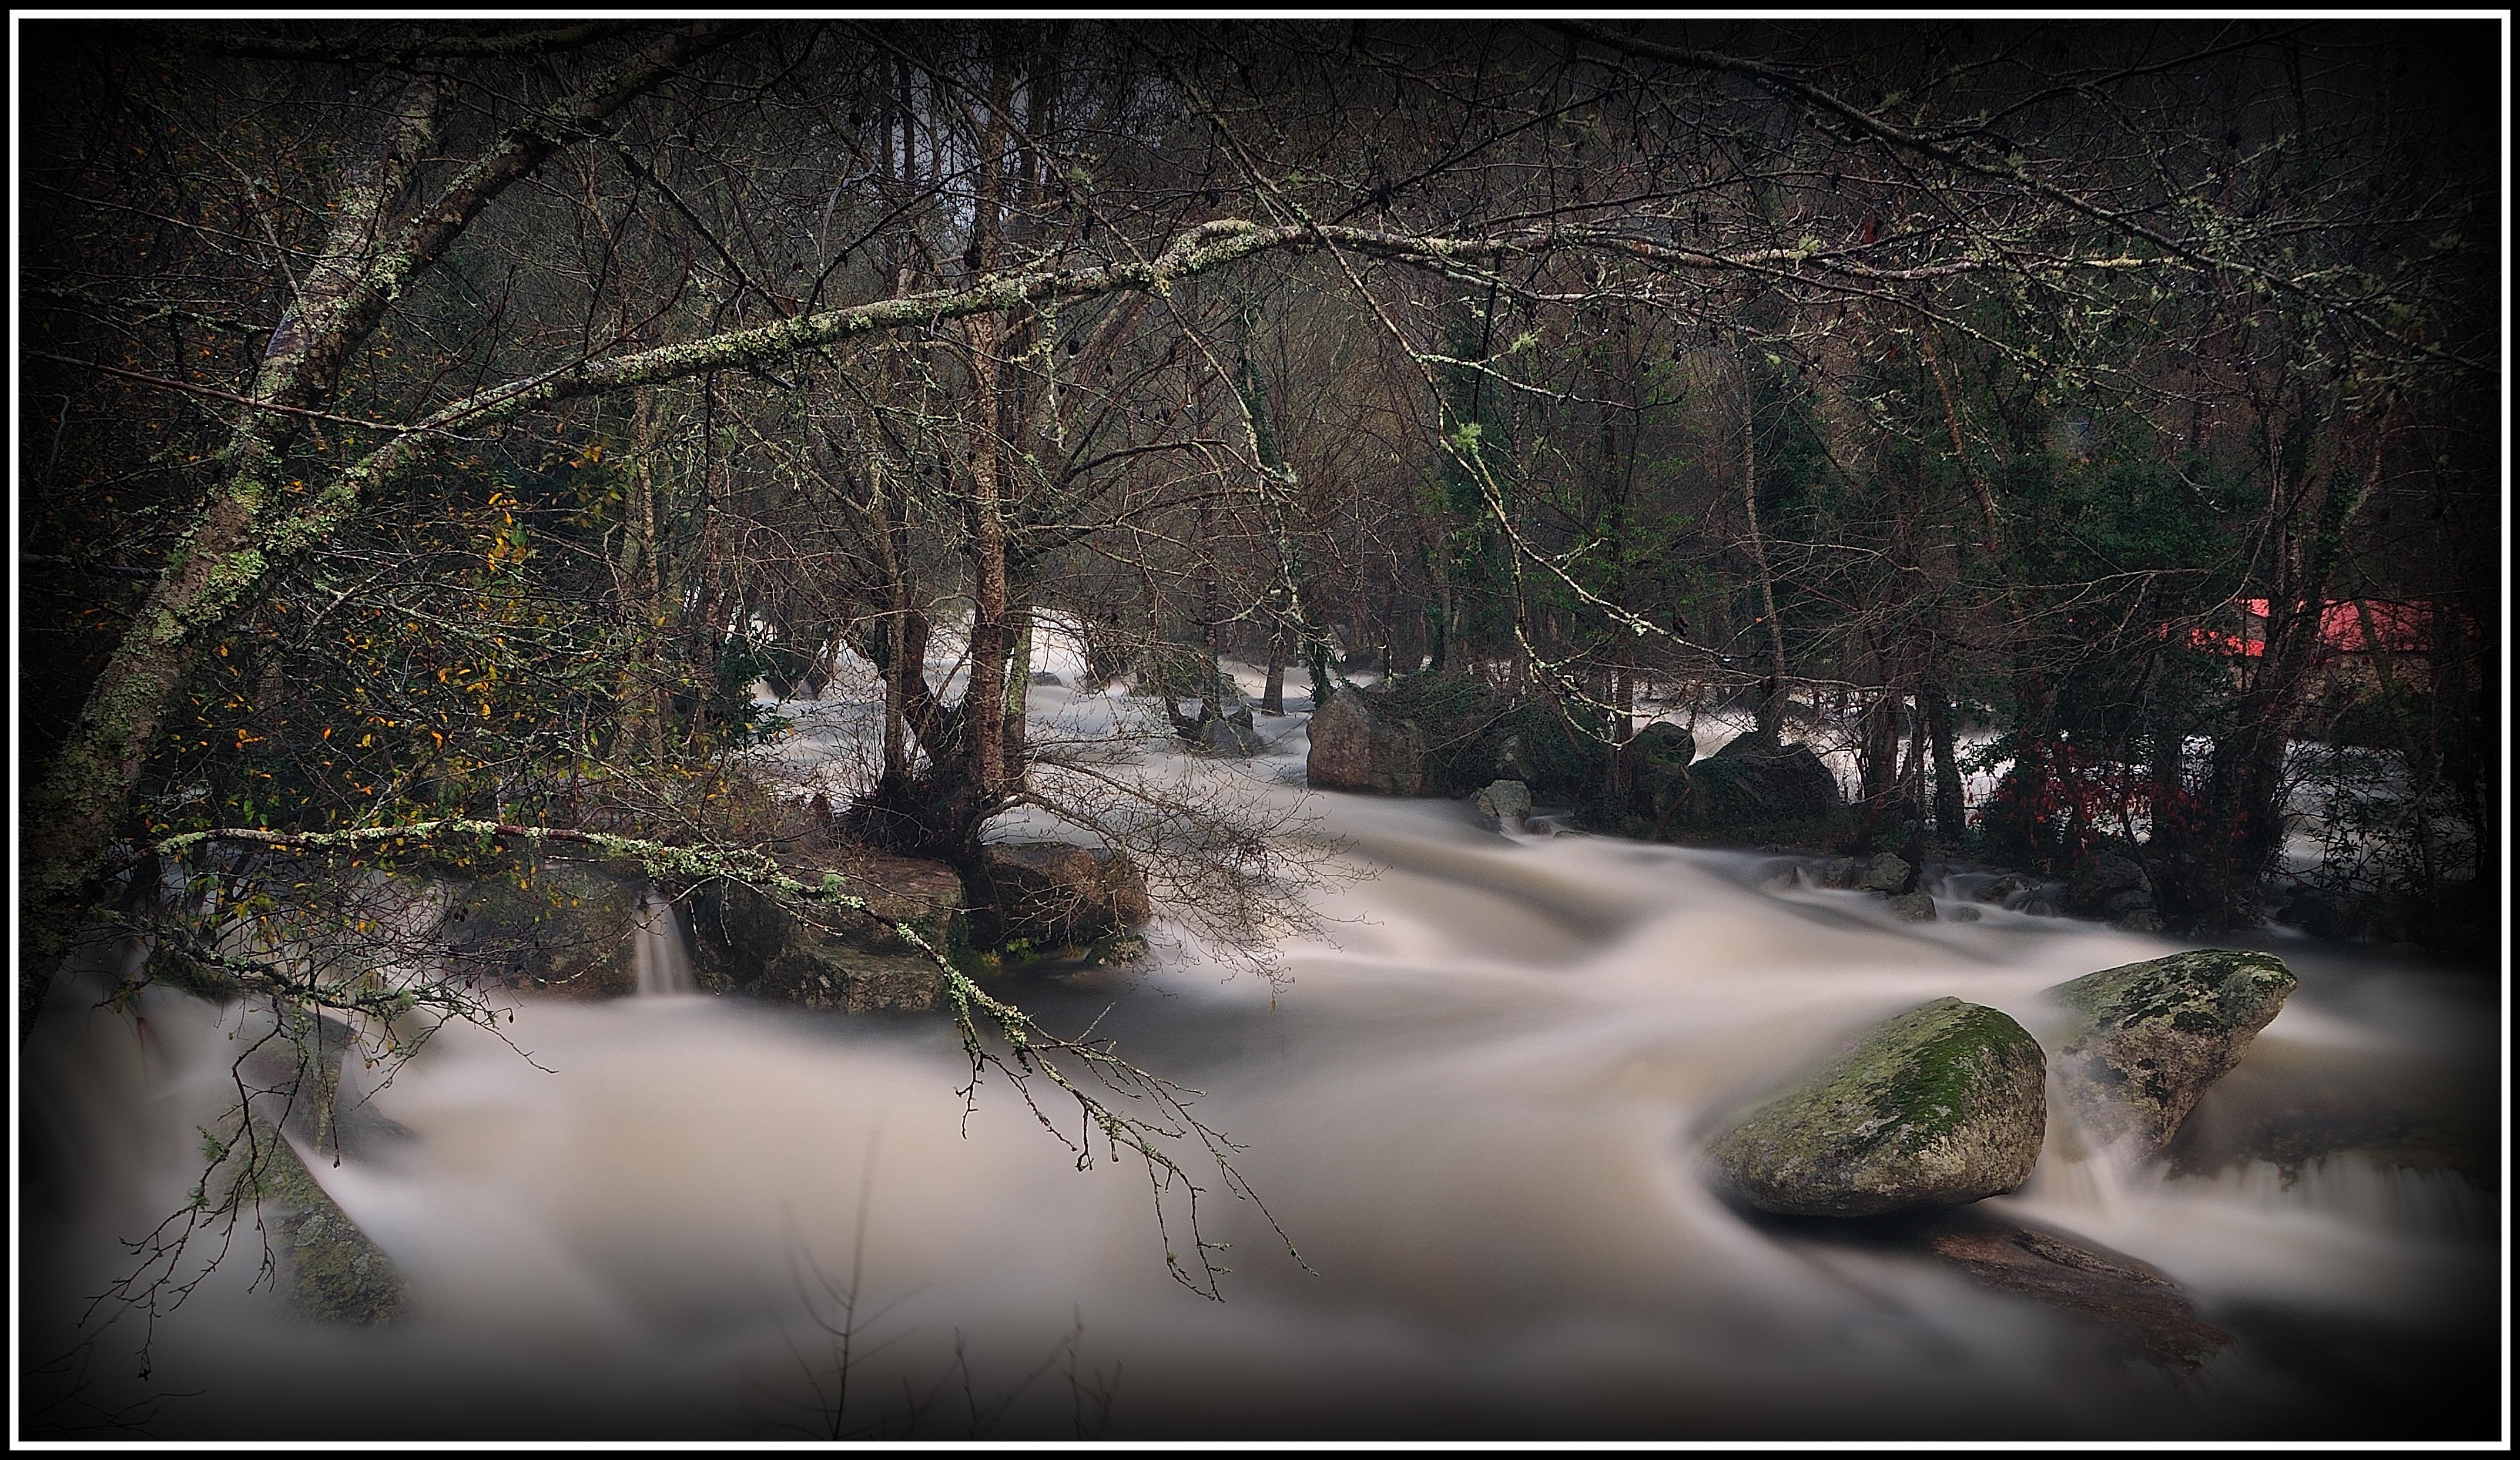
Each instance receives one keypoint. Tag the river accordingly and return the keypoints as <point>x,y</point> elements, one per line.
<point>1473,1098</point>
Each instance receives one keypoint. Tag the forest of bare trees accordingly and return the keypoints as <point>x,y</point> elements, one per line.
<point>431,434</point>
<point>430,416</point>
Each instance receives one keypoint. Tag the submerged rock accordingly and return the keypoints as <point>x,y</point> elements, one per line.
<point>2137,1046</point>
<point>2135,1308</point>
<point>1913,907</point>
<point>1355,749</point>
<point>1942,1104</point>
<point>1839,872</point>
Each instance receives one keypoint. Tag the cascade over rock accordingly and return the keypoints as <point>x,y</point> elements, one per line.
<point>2138,1044</point>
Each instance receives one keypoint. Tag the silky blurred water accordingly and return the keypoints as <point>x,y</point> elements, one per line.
<point>1474,1101</point>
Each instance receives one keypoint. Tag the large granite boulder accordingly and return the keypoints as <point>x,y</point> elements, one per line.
<point>1051,895</point>
<point>1356,749</point>
<point>831,957</point>
<point>2137,1046</point>
<point>1748,793</point>
<point>1943,1104</point>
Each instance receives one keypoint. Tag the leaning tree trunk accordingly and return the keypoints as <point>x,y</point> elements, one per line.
<point>252,522</point>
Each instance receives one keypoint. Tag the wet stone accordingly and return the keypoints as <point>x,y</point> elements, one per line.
<point>2139,1044</point>
<point>1943,1104</point>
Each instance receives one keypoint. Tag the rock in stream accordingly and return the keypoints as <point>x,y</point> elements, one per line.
<point>2138,1045</point>
<point>1942,1104</point>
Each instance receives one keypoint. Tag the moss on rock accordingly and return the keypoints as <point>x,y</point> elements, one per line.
<point>1943,1104</point>
<point>846,958</point>
<point>330,1270</point>
<point>2138,1045</point>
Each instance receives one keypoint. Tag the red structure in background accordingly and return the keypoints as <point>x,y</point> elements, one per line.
<point>2346,627</point>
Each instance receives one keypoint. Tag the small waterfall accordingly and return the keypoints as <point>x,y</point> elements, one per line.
<point>663,967</point>
<point>2364,1187</point>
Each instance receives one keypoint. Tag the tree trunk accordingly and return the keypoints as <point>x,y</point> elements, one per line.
<point>1950,814</point>
<point>989,627</point>
<point>1771,727</point>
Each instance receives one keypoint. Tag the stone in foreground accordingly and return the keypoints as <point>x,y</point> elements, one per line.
<point>1940,1105</point>
<point>2139,1044</point>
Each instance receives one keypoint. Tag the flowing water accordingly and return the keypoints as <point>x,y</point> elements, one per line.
<point>1475,1101</point>
<point>657,954</point>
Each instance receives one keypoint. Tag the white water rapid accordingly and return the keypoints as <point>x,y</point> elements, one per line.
<point>663,966</point>
<point>1475,1105</point>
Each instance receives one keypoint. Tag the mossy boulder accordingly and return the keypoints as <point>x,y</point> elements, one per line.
<point>1887,872</point>
<point>2138,1045</point>
<point>1442,733</point>
<point>1046,896</point>
<point>1503,801</point>
<point>834,957</point>
<point>2110,884</point>
<point>1943,1104</point>
<point>327,1268</point>
<point>1561,751</point>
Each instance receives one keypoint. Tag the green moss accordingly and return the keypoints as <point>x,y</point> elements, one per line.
<point>1942,1103</point>
<point>330,1269</point>
<point>2139,1043</point>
